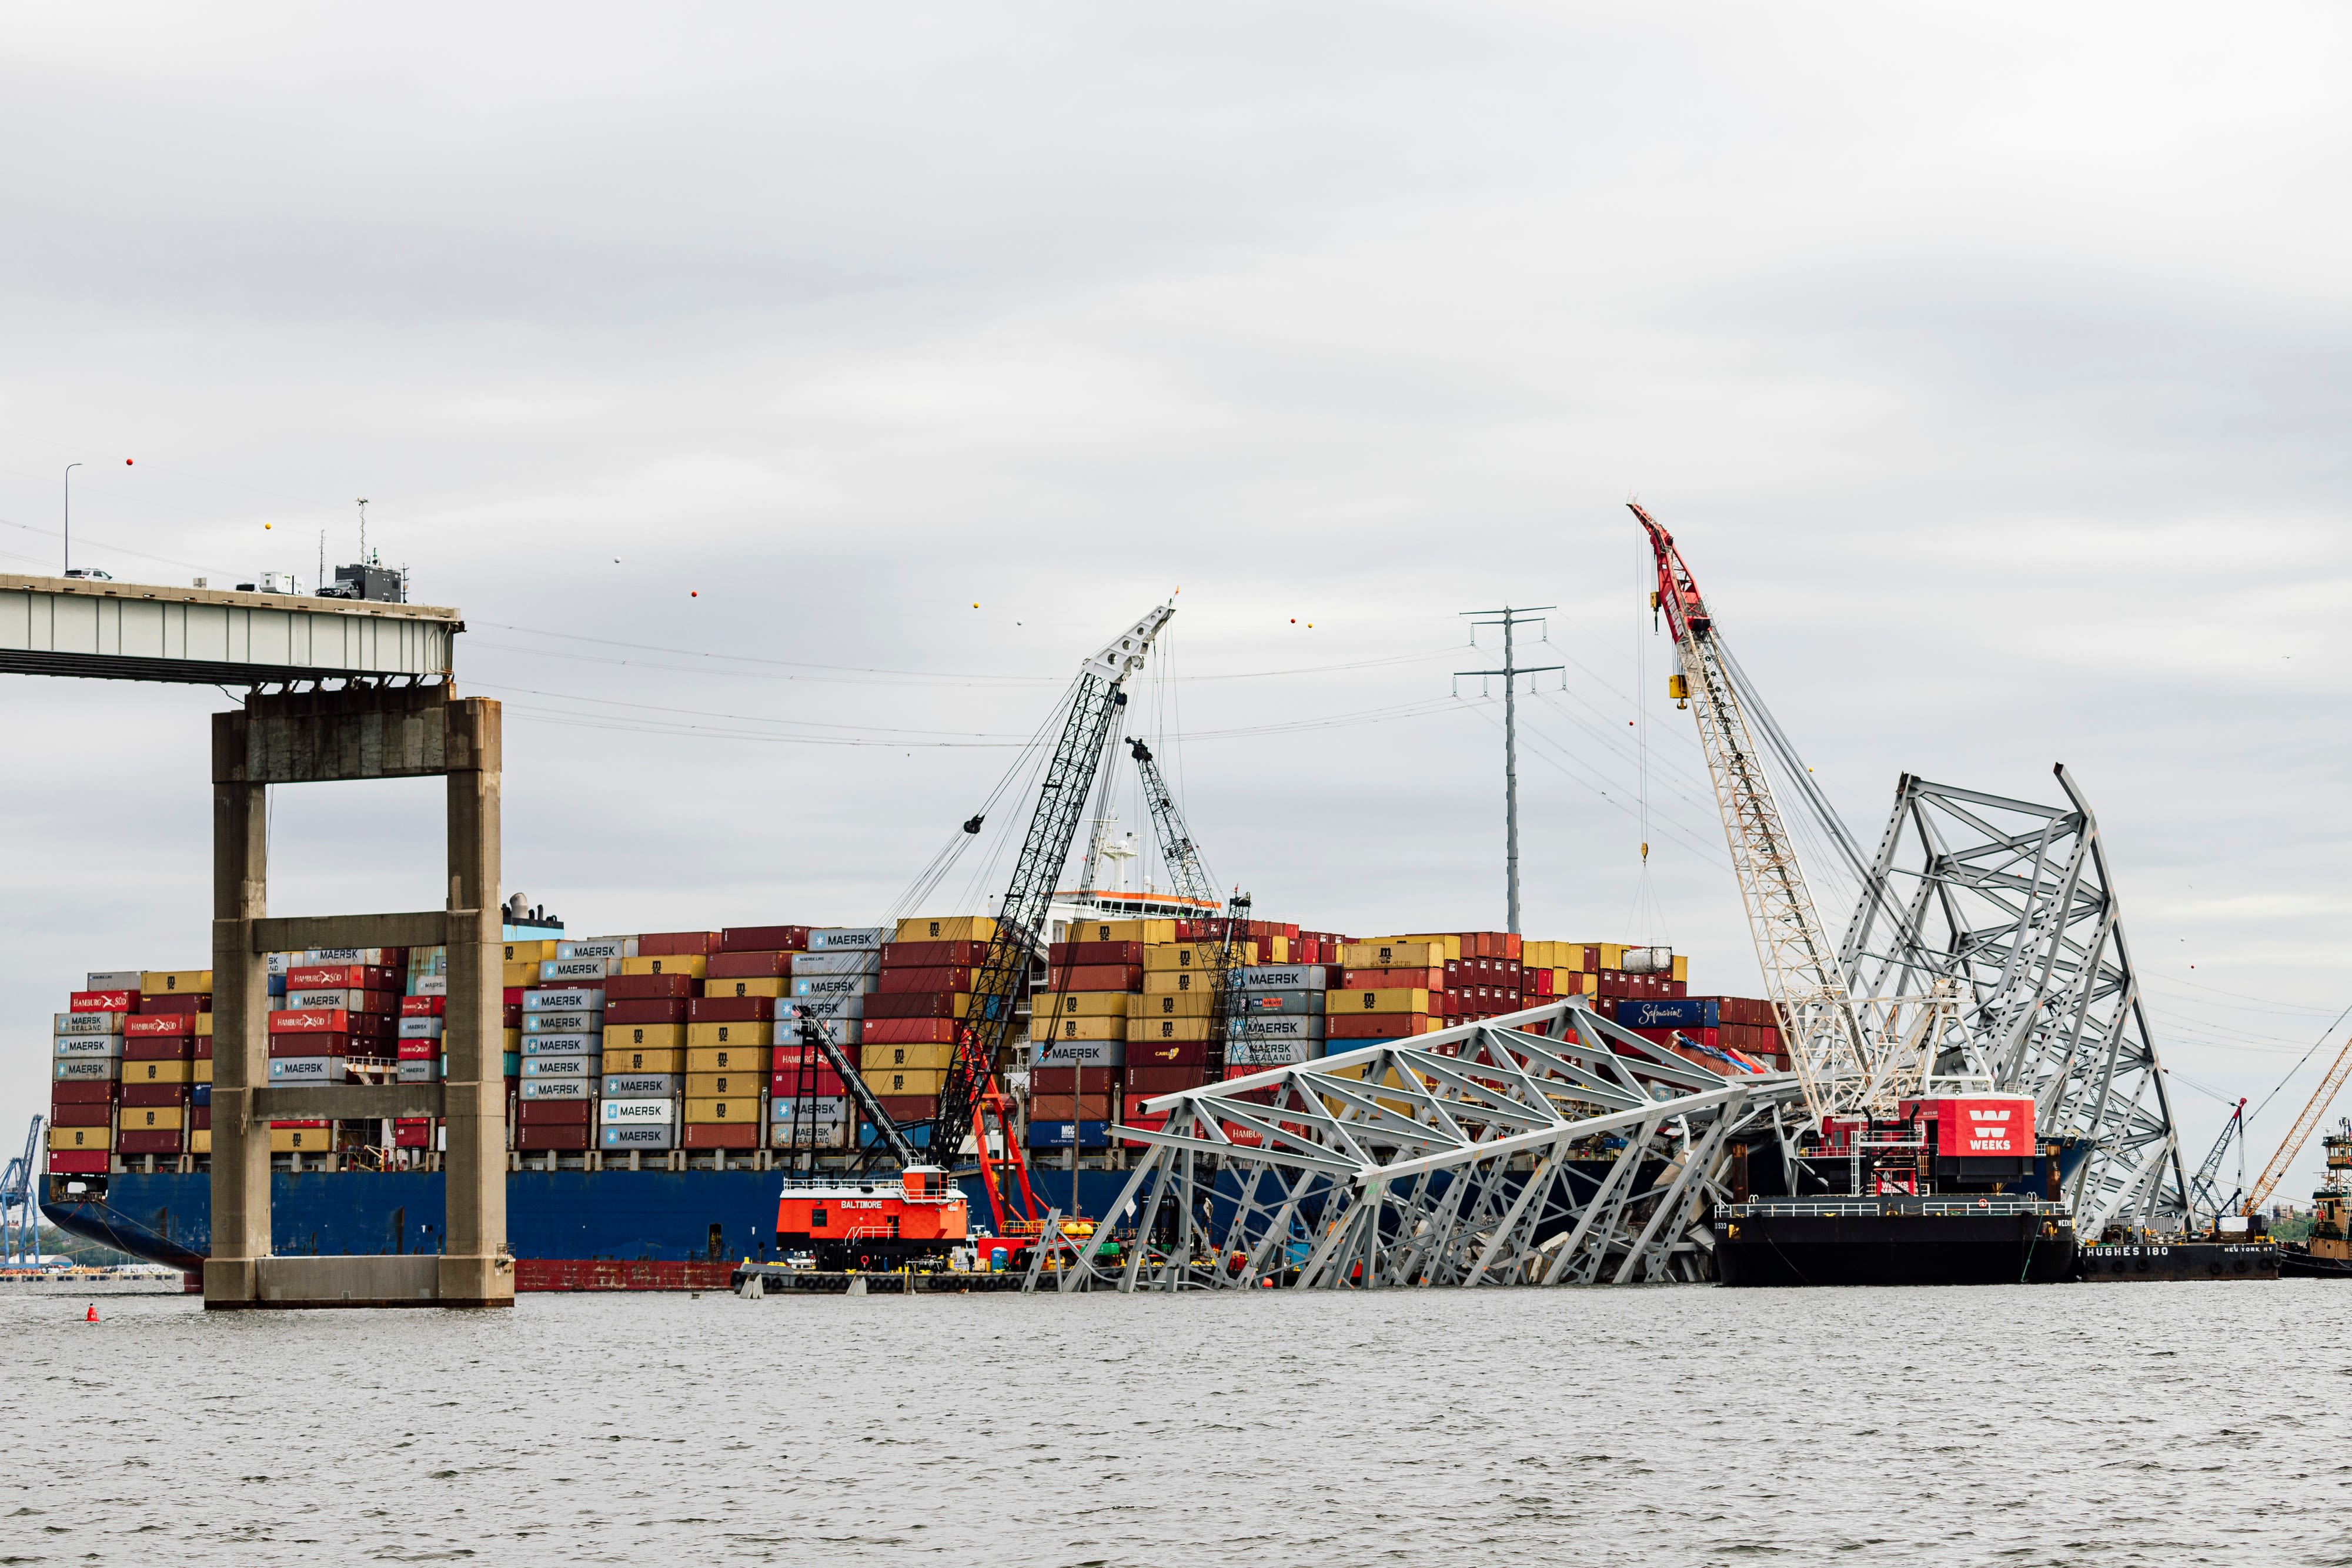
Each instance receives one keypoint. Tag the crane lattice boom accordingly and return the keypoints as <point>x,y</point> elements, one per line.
<point>2275,1172</point>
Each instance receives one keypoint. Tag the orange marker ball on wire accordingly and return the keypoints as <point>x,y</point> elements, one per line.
<point>693,593</point>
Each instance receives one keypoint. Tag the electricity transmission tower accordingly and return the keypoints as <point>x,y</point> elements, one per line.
<point>1508,619</point>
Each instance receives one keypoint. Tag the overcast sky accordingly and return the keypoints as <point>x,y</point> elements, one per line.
<point>791,396</point>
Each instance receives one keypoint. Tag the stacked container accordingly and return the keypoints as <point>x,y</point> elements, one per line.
<point>1167,1021</point>
<point>87,1073</point>
<point>563,1058</point>
<point>751,974</point>
<point>424,1015</point>
<point>1390,988</point>
<point>1279,1016</point>
<point>159,1056</point>
<point>922,992</point>
<point>644,1062</point>
<point>1078,1033</point>
<point>724,1061</point>
<point>832,984</point>
<point>1741,1031</point>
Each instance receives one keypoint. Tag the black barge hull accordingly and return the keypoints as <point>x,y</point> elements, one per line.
<point>2160,1261</point>
<point>1894,1248</point>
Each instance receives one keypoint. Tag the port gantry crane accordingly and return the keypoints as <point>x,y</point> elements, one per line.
<point>970,1098</point>
<point>20,1208</point>
<point>1850,1063</point>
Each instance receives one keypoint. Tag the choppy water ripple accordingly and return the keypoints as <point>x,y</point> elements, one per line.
<point>2084,1425</point>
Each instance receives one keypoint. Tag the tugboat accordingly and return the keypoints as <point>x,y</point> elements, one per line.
<point>2327,1255</point>
<point>1953,1190</point>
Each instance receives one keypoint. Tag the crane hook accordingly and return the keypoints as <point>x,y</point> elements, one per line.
<point>972,824</point>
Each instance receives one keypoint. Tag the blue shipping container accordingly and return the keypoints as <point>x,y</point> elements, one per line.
<point>1668,1012</point>
<point>1063,1134</point>
<point>202,1095</point>
<point>868,1134</point>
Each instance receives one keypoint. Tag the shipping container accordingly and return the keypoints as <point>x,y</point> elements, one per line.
<point>1065,1134</point>
<point>574,1069</point>
<point>849,938</point>
<point>638,1111</point>
<point>618,1060</point>
<point>873,1058</point>
<point>691,965</point>
<point>646,1037</point>
<point>640,1137</point>
<point>763,938</point>
<point>727,1058</point>
<point>597,948</point>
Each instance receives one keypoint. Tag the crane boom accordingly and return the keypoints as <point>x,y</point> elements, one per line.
<point>1095,703</point>
<point>2321,1098</point>
<point>1188,877</point>
<point>1833,1060</point>
<point>2201,1189</point>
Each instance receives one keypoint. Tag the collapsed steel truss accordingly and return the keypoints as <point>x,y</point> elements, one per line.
<point>2011,904</point>
<point>1546,1146</point>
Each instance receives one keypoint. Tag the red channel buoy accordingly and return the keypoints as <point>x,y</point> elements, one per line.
<point>91,1316</point>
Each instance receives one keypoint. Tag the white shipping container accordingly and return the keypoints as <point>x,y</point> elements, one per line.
<point>115,979</point>
<point>421,1029</point>
<point>428,985</point>
<point>581,1070</point>
<point>588,1043</point>
<point>817,1108</point>
<point>86,1069</point>
<point>564,999</point>
<point>643,1085</point>
<point>638,1136</point>
<point>281,962</point>
<point>834,984</point>
<point>89,1023</point>
<point>849,939</point>
<point>346,998</point>
<point>562,1023</point>
<point>1083,1053</point>
<point>555,971</point>
<point>420,1071</point>
<point>89,1045</point>
<point>1271,1052</point>
<point>823,1007</point>
<point>343,955</point>
<point>1283,978</point>
<point>306,1070</point>
<point>658,1111</point>
<point>836,963</point>
<point>598,948</point>
<point>558,1088</point>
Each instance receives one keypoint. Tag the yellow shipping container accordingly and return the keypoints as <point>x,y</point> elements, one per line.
<point>174,982</point>
<point>1122,931</point>
<point>1193,955</point>
<point>532,952</point>
<point>200,1141</point>
<point>646,1037</point>
<point>83,1138</point>
<point>204,1024</point>
<point>524,972</point>
<point>1449,940</point>
<point>153,1118</point>
<point>1080,1004</point>
<point>1080,1029</point>
<point>693,963</point>
<point>1682,968</point>
<point>158,1072</point>
<point>909,1082</point>
<point>625,1059</point>
<point>734,1108</point>
<point>302,1140</point>
<point>1194,1003</point>
<point>873,1058</point>
<point>1178,980</point>
<point>513,1041</point>
<point>753,1032</point>
<point>762,986</point>
<point>726,1059</point>
<point>1153,1031</point>
<point>1612,955</point>
<point>957,928</point>
<point>1277,949</point>
<point>1399,1000</point>
<point>203,1073</point>
<point>1393,953</point>
<point>725,1085</point>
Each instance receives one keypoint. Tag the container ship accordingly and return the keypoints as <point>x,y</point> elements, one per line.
<point>653,1099</point>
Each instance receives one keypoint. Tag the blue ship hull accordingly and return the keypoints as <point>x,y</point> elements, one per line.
<point>656,1216</point>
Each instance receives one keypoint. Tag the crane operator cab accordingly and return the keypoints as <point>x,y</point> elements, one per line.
<point>873,1223</point>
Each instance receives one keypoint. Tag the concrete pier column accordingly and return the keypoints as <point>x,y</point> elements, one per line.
<point>240,1157</point>
<point>475,1266</point>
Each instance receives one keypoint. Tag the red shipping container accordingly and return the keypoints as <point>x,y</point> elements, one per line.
<point>748,966</point>
<point>910,1031</point>
<point>662,943</point>
<point>557,1112</point>
<point>413,1133</point>
<point>96,1113</point>
<point>312,1020</point>
<point>418,1049</point>
<point>1082,954</point>
<point>760,939</point>
<point>315,1045</point>
<point>789,1054</point>
<point>905,1108</point>
<point>1369,1026</point>
<point>729,1009</point>
<point>1073,1079</point>
<point>138,1026</point>
<point>424,1006</point>
<point>511,1017</point>
<point>104,1002</point>
<point>151,1141</point>
<point>200,1118</point>
<point>203,1048</point>
<point>162,1004</point>
<point>1070,1108</point>
<point>1166,1053</point>
<point>933,955</point>
<point>1431,979</point>
<point>663,1009</point>
<point>511,996</point>
<point>901,981</point>
<point>549,1137</point>
<point>724,1134</point>
<point>342,977</point>
<point>1095,977</point>
<point>83,1091</point>
<point>88,1162</point>
<point>646,987</point>
<point>820,1083</point>
<point>159,1047</point>
<point>914,1005</point>
<point>1143,1082</point>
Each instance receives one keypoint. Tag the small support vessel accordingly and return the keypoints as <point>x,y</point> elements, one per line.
<point>2327,1254</point>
